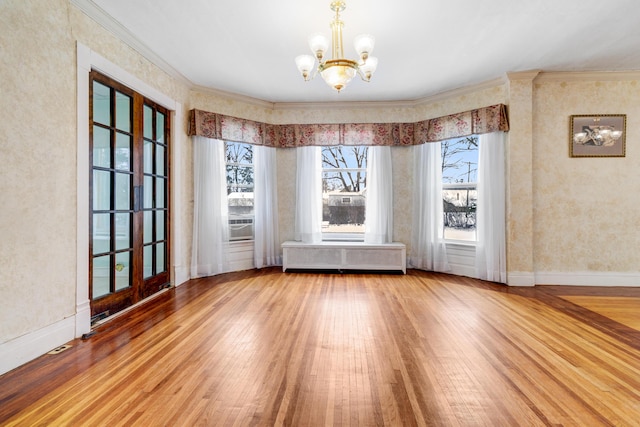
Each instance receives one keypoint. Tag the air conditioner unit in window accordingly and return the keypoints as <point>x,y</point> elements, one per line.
<point>240,228</point>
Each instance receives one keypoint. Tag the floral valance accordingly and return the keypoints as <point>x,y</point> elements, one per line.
<point>227,128</point>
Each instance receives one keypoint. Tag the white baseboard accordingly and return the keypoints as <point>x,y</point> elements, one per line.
<point>181,274</point>
<point>83,318</point>
<point>588,278</point>
<point>34,344</point>
<point>521,278</point>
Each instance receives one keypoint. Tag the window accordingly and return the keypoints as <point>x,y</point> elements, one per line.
<point>459,187</point>
<point>344,182</point>
<point>240,190</point>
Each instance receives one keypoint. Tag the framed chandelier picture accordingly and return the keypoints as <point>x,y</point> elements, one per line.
<point>598,135</point>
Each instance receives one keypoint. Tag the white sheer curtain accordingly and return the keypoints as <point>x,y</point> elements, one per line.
<point>266,249</point>
<point>210,210</point>
<point>428,250</point>
<point>379,209</point>
<point>491,259</point>
<point>308,226</point>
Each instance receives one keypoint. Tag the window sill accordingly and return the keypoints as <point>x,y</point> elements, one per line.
<point>468,243</point>
<point>241,242</point>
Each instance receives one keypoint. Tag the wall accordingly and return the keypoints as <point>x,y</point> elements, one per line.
<point>585,210</point>
<point>38,177</point>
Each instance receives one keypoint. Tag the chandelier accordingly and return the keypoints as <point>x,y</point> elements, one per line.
<point>604,136</point>
<point>338,71</point>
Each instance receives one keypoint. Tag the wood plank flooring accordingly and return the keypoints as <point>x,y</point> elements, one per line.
<point>263,348</point>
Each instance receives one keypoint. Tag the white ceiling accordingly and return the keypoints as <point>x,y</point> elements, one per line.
<point>424,47</point>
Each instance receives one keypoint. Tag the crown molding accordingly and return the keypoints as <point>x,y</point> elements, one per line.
<point>564,76</point>
<point>96,13</point>
<point>523,75</point>
<point>393,104</point>
<point>466,90</point>
<point>234,96</point>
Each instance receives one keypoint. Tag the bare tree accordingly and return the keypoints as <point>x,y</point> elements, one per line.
<point>340,157</point>
<point>238,174</point>
<point>451,162</point>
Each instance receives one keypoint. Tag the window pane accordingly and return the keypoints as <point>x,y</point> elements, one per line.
<point>239,178</point>
<point>101,276</point>
<point>123,231</point>
<point>160,167</point>
<point>160,225</point>
<point>160,193</point>
<point>148,122</point>
<point>123,272</point>
<point>160,258</point>
<point>123,112</point>
<point>160,127</point>
<point>343,191</point>
<point>123,185</point>
<point>123,151</point>
<point>101,147</point>
<point>148,227</point>
<point>147,156</point>
<point>101,190</point>
<point>240,190</point>
<point>459,187</point>
<point>147,195</point>
<point>101,104</point>
<point>460,212</point>
<point>148,261</point>
<point>101,233</point>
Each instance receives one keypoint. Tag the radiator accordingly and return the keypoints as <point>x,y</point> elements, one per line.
<point>344,256</point>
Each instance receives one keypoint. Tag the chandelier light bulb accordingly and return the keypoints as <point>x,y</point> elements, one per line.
<point>369,67</point>
<point>318,43</point>
<point>305,64</point>
<point>364,45</point>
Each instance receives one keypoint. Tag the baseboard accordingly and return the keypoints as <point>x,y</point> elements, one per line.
<point>34,344</point>
<point>521,278</point>
<point>83,318</point>
<point>588,278</point>
<point>180,274</point>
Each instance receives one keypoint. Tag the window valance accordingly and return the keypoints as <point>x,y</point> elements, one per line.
<point>228,128</point>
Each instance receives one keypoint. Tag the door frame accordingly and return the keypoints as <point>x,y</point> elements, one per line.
<point>88,60</point>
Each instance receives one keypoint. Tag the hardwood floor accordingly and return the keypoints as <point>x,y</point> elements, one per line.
<point>266,348</point>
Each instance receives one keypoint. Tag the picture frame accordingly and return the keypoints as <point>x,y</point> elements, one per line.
<point>598,135</point>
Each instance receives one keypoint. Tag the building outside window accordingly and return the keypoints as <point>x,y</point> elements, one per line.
<point>459,187</point>
<point>344,182</point>
<point>240,190</point>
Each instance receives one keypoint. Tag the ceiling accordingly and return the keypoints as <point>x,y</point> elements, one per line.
<point>424,47</point>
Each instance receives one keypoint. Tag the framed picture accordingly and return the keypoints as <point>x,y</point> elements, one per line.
<point>598,135</point>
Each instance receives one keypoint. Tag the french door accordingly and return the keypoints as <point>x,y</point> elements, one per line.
<point>129,203</point>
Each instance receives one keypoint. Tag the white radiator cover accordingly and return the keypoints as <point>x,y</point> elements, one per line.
<point>344,256</point>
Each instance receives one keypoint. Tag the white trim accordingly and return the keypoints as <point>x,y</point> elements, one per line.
<point>588,278</point>
<point>94,12</point>
<point>83,311</point>
<point>462,258</point>
<point>180,272</point>
<point>240,255</point>
<point>34,344</point>
<point>520,278</point>
<point>580,76</point>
